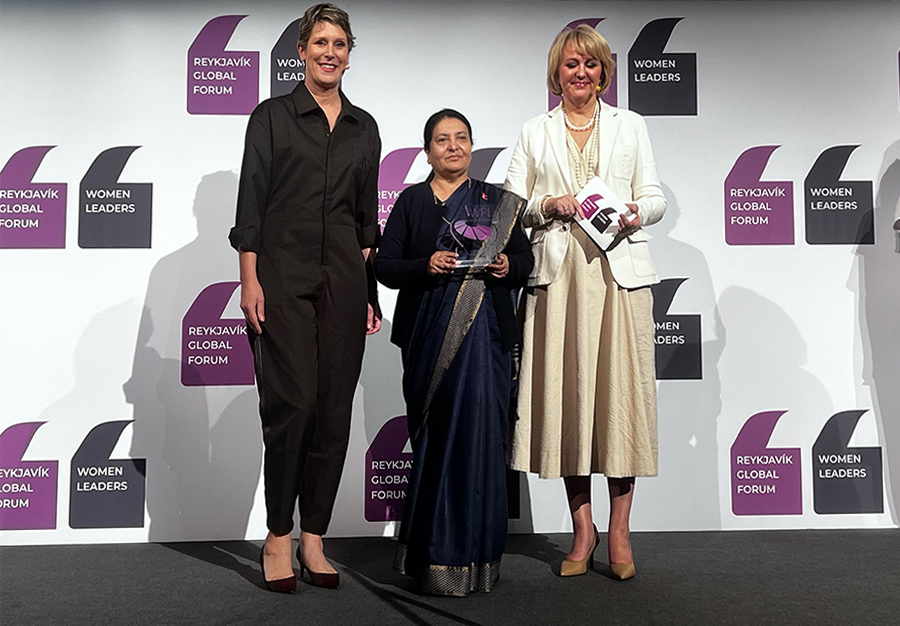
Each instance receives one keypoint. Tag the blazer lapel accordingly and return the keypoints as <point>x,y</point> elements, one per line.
<point>609,127</point>
<point>556,133</point>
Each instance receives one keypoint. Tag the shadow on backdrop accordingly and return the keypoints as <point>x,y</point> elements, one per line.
<point>686,491</point>
<point>202,444</point>
<point>381,378</point>
<point>101,355</point>
<point>878,281</point>
<point>762,367</point>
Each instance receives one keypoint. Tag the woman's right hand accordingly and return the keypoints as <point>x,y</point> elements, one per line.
<point>563,208</point>
<point>442,262</point>
<point>253,304</point>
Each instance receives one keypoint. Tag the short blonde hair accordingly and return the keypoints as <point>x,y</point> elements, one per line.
<point>587,41</point>
<point>324,13</point>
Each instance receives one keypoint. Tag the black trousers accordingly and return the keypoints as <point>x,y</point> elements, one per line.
<point>308,360</point>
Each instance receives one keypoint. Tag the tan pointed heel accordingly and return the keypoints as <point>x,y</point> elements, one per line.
<point>577,568</point>
<point>621,571</point>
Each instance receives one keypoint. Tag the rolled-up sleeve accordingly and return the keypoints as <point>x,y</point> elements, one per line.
<point>255,181</point>
<point>368,231</point>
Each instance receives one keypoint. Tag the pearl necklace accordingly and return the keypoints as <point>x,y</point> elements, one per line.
<point>587,126</point>
<point>584,163</point>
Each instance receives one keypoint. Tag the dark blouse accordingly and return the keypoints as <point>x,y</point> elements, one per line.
<point>410,238</point>
<point>295,169</point>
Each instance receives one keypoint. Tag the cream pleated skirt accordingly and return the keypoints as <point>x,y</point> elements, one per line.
<point>587,384</point>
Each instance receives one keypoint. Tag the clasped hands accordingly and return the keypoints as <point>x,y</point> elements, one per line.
<point>444,262</point>
<point>566,207</point>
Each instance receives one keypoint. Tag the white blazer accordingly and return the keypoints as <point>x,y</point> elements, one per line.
<point>540,167</point>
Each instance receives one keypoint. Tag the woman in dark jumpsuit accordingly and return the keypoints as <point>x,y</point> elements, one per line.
<point>306,227</point>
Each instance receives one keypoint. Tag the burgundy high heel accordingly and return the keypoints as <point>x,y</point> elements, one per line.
<point>328,580</point>
<point>282,585</point>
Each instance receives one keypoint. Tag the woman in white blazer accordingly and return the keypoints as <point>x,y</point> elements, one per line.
<point>587,396</point>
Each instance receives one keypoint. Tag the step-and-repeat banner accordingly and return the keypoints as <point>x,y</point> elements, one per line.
<point>128,411</point>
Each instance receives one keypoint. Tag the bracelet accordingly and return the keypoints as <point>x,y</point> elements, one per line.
<point>543,202</point>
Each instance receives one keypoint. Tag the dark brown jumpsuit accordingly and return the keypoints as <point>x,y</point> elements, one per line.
<point>307,205</point>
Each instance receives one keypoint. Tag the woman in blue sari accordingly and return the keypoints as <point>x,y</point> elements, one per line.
<point>454,248</point>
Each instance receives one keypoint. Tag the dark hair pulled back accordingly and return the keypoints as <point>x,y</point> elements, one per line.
<point>435,119</point>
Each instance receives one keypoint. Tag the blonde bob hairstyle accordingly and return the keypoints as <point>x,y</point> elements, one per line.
<point>585,41</point>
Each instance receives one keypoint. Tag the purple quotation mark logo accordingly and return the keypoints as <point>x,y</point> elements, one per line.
<point>214,351</point>
<point>394,170</point>
<point>28,489</point>
<point>764,481</point>
<point>32,215</point>
<point>221,82</point>
<point>757,212</point>
<point>387,472</point>
<point>612,95</point>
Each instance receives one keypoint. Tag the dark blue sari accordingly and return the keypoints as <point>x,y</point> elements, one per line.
<point>455,515</point>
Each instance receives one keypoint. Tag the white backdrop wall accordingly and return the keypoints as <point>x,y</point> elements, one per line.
<point>94,311</point>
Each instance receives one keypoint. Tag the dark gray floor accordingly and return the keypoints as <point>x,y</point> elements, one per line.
<point>785,577</point>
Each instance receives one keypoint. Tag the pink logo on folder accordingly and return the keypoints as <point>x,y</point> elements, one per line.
<point>590,205</point>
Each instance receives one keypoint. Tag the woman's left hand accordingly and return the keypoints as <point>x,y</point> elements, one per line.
<point>500,267</point>
<point>373,320</point>
<point>625,224</point>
